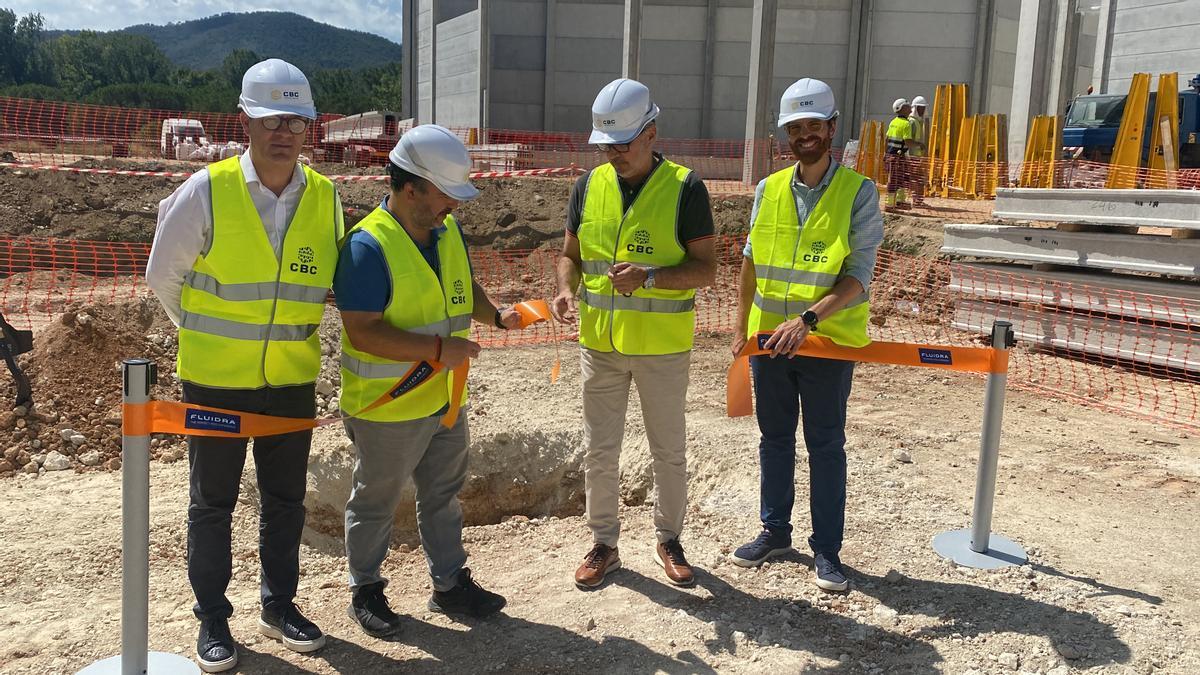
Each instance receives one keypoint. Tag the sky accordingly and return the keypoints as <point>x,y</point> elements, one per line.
<point>381,17</point>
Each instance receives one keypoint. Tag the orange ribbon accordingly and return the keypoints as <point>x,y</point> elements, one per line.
<point>739,402</point>
<point>534,311</point>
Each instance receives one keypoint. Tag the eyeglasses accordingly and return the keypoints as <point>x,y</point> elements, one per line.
<point>296,125</point>
<point>621,148</point>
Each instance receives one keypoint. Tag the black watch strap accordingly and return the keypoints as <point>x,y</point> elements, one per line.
<point>496,320</point>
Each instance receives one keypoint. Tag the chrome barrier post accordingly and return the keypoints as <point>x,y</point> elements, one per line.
<point>135,659</point>
<point>977,547</point>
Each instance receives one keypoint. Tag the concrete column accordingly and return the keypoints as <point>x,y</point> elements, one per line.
<point>485,65</point>
<point>756,163</point>
<point>857,56</point>
<point>1063,59</point>
<point>548,89</point>
<point>633,39</point>
<point>408,66</point>
<point>1034,42</point>
<point>433,31</point>
<point>710,55</point>
<point>985,26</point>
<point>1104,31</point>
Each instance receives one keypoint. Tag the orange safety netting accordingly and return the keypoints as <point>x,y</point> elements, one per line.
<point>1130,352</point>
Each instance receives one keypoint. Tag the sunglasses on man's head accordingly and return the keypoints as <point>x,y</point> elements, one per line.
<point>296,125</point>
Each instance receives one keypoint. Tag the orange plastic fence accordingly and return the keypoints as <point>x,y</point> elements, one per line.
<point>1130,352</point>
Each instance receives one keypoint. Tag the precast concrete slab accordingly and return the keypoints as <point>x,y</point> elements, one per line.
<point>1099,336</point>
<point>1145,208</point>
<point>1139,298</point>
<point>1097,250</point>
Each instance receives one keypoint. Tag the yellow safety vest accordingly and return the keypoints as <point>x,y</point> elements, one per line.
<point>794,267</point>
<point>250,319</point>
<point>420,303</point>
<point>650,320</point>
<point>917,125</point>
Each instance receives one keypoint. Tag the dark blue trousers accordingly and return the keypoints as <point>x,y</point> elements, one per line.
<point>815,391</point>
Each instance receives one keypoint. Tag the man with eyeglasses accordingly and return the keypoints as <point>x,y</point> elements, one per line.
<point>242,262</point>
<point>815,229</point>
<point>640,239</point>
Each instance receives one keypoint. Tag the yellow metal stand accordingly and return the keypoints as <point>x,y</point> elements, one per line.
<point>1127,153</point>
<point>870,151</point>
<point>1164,141</point>
<point>1037,171</point>
<point>945,130</point>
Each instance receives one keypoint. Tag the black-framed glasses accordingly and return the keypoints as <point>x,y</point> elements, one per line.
<point>296,125</point>
<point>621,148</point>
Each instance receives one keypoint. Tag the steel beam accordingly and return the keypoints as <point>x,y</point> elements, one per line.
<point>1096,250</point>
<point>1146,208</point>
<point>1112,338</point>
<point>1128,296</point>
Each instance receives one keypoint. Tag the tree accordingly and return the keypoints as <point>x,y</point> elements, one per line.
<point>21,52</point>
<point>90,60</point>
<point>237,63</point>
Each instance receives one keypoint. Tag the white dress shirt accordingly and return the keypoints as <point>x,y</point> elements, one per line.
<point>185,225</point>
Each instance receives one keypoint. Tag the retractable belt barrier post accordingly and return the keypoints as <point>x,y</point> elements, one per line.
<point>134,659</point>
<point>976,547</point>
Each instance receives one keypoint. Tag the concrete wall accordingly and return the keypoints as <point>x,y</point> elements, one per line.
<point>1001,60</point>
<point>1154,36</point>
<point>423,111</point>
<point>517,90</point>
<point>458,71</point>
<point>916,46</point>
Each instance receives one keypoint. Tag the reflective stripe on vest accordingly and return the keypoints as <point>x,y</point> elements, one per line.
<point>648,321</point>
<point>250,319</point>
<point>420,303</point>
<point>796,266</point>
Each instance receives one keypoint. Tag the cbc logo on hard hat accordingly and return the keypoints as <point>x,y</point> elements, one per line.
<point>608,123</point>
<point>796,105</point>
<point>276,94</point>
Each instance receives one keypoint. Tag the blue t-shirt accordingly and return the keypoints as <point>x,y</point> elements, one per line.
<point>362,282</point>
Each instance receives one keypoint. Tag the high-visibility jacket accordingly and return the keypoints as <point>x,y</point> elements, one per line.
<point>420,303</point>
<point>794,267</point>
<point>917,124</point>
<point>649,320</point>
<point>898,131</point>
<point>249,318</point>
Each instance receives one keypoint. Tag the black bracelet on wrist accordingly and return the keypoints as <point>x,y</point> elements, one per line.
<point>499,325</point>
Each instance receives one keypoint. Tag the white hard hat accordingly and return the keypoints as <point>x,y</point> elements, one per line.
<point>807,99</point>
<point>898,104</point>
<point>621,111</point>
<point>276,87</point>
<point>437,155</point>
<point>919,100</point>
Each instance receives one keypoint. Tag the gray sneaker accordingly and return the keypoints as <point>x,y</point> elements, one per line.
<point>830,575</point>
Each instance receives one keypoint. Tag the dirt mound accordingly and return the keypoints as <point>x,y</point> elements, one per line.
<point>74,370</point>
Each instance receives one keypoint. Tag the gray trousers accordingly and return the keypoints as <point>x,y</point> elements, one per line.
<point>388,453</point>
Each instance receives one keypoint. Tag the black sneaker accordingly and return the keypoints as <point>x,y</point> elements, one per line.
<point>369,608</point>
<point>215,649</point>
<point>285,623</point>
<point>765,546</point>
<point>830,575</point>
<point>467,597</point>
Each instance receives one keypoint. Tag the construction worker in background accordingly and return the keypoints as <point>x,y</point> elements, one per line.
<point>899,144</point>
<point>242,263</point>
<point>917,163</point>
<point>815,230</point>
<point>407,298</point>
<point>640,237</point>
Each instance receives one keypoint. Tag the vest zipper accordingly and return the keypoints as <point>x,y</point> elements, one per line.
<point>612,296</point>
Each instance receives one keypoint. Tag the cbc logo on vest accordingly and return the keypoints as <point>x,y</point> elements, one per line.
<point>304,264</point>
<point>459,298</point>
<point>818,248</point>
<point>641,243</point>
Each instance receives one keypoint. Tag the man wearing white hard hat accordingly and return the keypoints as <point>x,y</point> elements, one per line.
<point>814,232</point>
<point>242,262</point>
<point>407,298</point>
<point>916,120</point>
<point>899,144</point>
<point>639,242</point>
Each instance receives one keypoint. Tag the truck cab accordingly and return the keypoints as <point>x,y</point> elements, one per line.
<point>1090,131</point>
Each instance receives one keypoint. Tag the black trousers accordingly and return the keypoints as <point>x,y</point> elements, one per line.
<point>281,463</point>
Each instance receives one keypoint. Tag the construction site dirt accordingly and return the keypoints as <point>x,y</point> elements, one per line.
<point>1104,504</point>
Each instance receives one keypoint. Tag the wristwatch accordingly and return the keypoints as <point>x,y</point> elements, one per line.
<point>809,318</point>
<point>649,282</point>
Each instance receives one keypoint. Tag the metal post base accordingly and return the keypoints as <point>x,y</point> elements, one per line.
<point>158,663</point>
<point>1001,552</point>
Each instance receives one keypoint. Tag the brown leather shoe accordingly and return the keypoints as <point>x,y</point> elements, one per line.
<point>596,565</point>
<point>669,555</point>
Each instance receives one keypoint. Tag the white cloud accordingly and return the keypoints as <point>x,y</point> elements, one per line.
<point>381,17</point>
